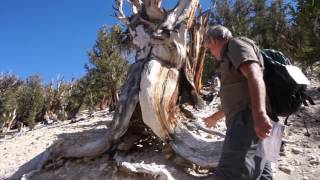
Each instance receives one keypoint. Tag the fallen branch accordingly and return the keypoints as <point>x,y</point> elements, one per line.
<point>158,171</point>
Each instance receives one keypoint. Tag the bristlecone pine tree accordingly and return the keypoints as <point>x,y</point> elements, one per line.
<point>107,69</point>
<point>165,76</point>
<point>9,85</point>
<point>30,101</point>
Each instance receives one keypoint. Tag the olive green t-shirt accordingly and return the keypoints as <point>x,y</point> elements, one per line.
<point>234,91</point>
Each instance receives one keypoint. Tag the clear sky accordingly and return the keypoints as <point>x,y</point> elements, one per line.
<point>52,37</point>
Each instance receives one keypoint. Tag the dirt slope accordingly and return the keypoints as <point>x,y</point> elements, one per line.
<point>300,158</point>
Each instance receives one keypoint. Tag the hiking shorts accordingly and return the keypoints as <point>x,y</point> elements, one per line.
<point>238,160</point>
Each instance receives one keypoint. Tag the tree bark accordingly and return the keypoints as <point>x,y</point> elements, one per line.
<point>168,68</point>
<point>104,103</point>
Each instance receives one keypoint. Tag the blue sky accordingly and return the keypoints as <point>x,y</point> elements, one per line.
<point>52,37</point>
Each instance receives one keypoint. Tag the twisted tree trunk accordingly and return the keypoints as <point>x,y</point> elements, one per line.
<point>164,78</point>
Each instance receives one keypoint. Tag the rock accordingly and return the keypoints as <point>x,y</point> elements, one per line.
<point>297,162</point>
<point>306,145</point>
<point>310,158</point>
<point>296,150</point>
<point>314,161</point>
<point>286,168</point>
<point>283,153</point>
<point>305,178</point>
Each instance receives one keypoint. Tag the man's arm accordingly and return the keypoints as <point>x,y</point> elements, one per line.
<point>257,90</point>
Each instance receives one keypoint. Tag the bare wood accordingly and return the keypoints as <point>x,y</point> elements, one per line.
<point>164,57</point>
<point>153,9</point>
<point>200,49</point>
<point>155,170</point>
<point>12,117</point>
<point>201,151</point>
<point>8,121</point>
<point>183,10</point>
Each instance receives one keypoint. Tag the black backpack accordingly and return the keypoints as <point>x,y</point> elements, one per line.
<point>286,94</point>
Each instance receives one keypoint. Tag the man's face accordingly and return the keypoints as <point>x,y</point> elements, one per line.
<point>215,48</point>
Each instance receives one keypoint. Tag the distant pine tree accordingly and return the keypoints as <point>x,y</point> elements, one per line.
<point>305,32</point>
<point>9,85</point>
<point>30,101</point>
<point>107,68</point>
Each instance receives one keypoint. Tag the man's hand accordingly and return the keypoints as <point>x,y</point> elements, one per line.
<point>212,120</point>
<point>262,126</point>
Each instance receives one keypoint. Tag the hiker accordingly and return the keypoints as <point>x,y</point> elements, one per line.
<point>243,101</point>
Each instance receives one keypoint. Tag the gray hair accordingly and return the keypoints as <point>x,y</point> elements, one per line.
<point>218,32</point>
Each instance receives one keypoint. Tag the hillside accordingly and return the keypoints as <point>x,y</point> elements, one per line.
<point>300,158</point>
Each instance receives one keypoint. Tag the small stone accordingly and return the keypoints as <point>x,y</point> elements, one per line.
<point>310,158</point>
<point>282,153</point>
<point>296,150</point>
<point>296,162</point>
<point>315,161</point>
<point>305,178</point>
<point>306,145</point>
<point>209,136</point>
<point>286,168</point>
<point>308,151</point>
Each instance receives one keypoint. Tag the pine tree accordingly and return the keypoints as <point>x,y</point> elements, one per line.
<point>305,33</point>
<point>107,69</point>
<point>30,101</point>
<point>9,85</point>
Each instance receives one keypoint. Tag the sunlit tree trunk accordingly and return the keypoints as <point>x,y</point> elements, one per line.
<point>165,76</point>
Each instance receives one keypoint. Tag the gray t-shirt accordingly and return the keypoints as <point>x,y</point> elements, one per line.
<point>234,86</point>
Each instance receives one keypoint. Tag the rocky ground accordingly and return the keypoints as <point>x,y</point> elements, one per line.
<point>300,156</point>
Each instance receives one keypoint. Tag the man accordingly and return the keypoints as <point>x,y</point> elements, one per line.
<point>243,100</point>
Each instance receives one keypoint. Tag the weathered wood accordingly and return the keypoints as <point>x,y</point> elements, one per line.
<point>158,171</point>
<point>153,9</point>
<point>201,151</point>
<point>158,97</point>
<point>169,63</point>
<point>8,121</point>
<point>198,50</point>
<point>183,10</point>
